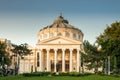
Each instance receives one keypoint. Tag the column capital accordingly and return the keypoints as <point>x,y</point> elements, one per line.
<point>47,49</point>
<point>78,49</point>
<point>55,49</point>
<point>71,49</point>
<point>40,49</point>
<point>63,49</point>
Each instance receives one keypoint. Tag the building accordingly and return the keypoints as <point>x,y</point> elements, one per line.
<point>8,49</point>
<point>57,49</point>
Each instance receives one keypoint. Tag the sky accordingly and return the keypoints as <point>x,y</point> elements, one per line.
<point>21,20</point>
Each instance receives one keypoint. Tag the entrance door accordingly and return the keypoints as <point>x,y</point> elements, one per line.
<point>67,65</point>
<point>60,65</point>
<point>52,65</point>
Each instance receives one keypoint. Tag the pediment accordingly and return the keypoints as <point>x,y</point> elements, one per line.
<point>59,40</point>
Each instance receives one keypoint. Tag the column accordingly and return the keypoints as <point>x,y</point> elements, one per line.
<point>40,60</point>
<point>78,60</point>
<point>55,59</point>
<point>48,60</point>
<point>70,60</point>
<point>63,60</point>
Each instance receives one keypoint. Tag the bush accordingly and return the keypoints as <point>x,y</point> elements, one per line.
<point>78,74</point>
<point>36,74</point>
<point>63,74</point>
<point>54,74</point>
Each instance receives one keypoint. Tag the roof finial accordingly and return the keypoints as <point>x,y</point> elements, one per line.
<point>60,13</point>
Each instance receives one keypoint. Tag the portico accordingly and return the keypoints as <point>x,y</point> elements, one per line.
<point>66,59</point>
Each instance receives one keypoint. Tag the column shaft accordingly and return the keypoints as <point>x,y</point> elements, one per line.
<point>48,61</point>
<point>40,60</point>
<point>55,60</point>
<point>63,60</point>
<point>70,60</point>
<point>78,60</point>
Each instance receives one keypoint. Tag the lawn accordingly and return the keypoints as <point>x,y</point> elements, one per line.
<point>90,77</point>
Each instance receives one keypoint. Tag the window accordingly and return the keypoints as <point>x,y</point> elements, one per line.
<point>38,40</point>
<point>51,35</point>
<point>74,35</point>
<point>40,36</point>
<point>67,34</point>
<point>78,36</point>
<point>59,34</point>
<point>45,35</point>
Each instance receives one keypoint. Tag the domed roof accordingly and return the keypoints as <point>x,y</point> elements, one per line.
<point>60,22</point>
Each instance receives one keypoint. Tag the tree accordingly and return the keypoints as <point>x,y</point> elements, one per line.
<point>109,40</point>
<point>92,56</point>
<point>20,51</point>
<point>4,57</point>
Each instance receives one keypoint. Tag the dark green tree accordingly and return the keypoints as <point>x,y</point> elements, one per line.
<point>20,51</point>
<point>92,56</point>
<point>109,40</point>
<point>4,57</point>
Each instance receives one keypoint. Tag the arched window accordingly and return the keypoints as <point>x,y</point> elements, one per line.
<point>67,34</point>
<point>78,36</point>
<point>38,40</point>
<point>74,35</point>
<point>45,36</point>
<point>59,34</point>
<point>40,37</point>
<point>51,35</point>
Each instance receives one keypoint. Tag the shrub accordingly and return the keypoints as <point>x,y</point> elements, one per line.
<point>36,74</point>
<point>63,74</point>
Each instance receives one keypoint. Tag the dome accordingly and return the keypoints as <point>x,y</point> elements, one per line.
<point>60,27</point>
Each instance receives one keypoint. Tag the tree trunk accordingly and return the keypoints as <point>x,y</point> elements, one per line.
<point>95,66</point>
<point>115,64</point>
<point>103,65</point>
<point>108,65</point>
<point>105,68</point>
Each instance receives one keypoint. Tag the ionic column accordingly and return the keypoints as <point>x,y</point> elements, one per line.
<point>63,60</point>
<point>48,60</point>
<point>71,60</point>
<point>78,60</point>
<point>55,59</point>
<point>40,59</point>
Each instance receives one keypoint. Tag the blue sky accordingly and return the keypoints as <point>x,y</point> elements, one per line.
<point>20,20</point>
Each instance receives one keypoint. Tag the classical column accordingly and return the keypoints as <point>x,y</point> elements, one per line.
<point>71,60</point>
<point>55,59</point>
<point>78,60</point>
<point>40,59</point>
<point>63,60</point>
<point>48,60</point>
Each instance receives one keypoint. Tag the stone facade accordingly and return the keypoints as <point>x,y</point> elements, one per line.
<point>57,49</point>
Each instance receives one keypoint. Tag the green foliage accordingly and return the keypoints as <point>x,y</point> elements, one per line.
<point>21,49</point>
<point>5,54</point>
<point>76,74</point>
<point>92,56</point>
<point>36,74</point>
<point>109,40</point>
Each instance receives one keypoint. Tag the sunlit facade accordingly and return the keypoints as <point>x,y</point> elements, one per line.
<point>57,49</point>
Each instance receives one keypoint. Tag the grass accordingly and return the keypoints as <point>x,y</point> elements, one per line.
<point>90,77</point>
